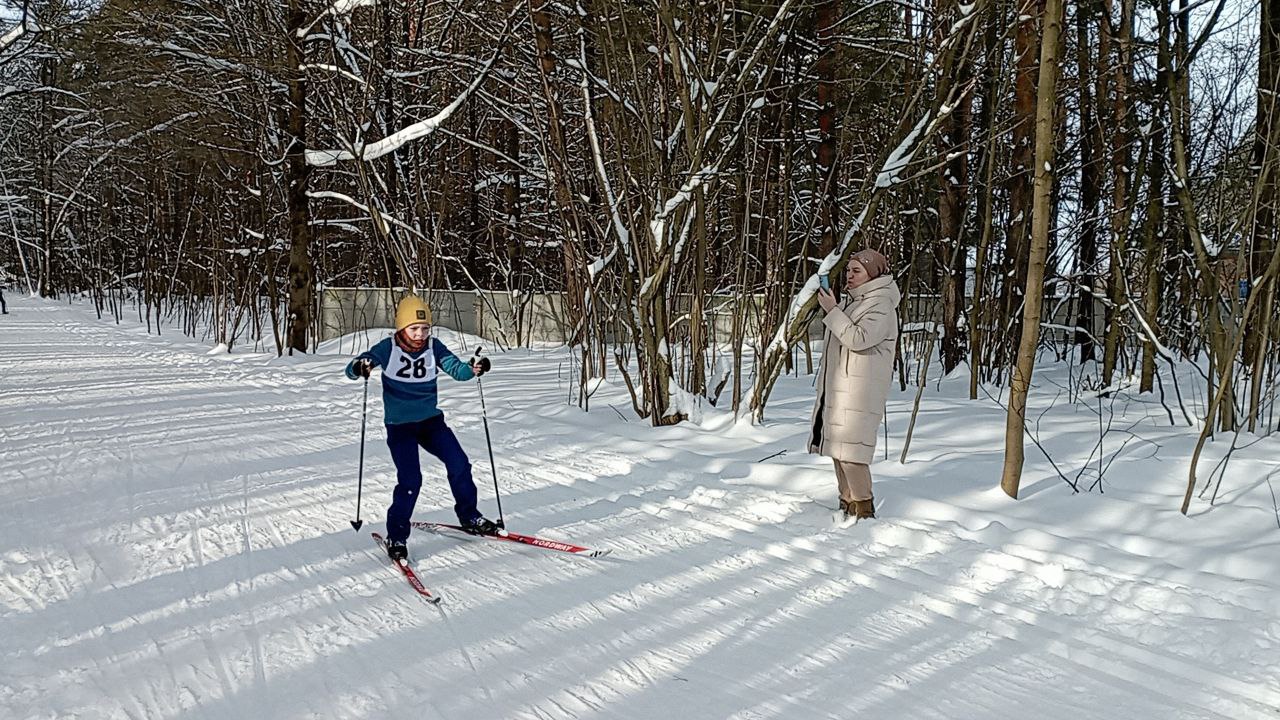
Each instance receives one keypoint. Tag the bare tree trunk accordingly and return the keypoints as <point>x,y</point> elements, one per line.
<point>1091,180</point>
<point>1266,162</point>
<point>577,285</point>
<point>1154,235</point>
<point>47,191</point>
<point>952,248</point>
<point>1013,280</point>
<point>698,340</point>
<point>825,16</point>
<point>1122,42</point>
<point>1222,349</point>
<point>979,312</point>
<point>301,273</point>
<point>1043,188</point>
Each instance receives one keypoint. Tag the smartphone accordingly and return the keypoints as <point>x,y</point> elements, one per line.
<point>824,281</point>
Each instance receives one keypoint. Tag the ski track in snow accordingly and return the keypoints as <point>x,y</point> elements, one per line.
<point>176,545</point>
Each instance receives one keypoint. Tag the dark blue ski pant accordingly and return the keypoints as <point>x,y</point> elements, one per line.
<point>436,438</point>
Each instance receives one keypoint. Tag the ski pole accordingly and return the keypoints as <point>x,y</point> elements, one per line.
<point>494,468</point>
<point>364,414</point>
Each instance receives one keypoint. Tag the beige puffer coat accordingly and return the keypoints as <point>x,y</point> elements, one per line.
<point>857,368</point>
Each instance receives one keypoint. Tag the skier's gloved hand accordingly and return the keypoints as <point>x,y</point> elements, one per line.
<point>363,367</point>
<point>480,366</point>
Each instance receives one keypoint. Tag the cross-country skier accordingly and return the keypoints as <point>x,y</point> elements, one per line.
<point>410,361</point>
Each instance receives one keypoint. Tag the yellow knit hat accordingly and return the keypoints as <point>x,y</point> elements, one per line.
<point>412,310</point>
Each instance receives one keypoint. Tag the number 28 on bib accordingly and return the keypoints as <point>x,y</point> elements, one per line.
<point>405,368</point>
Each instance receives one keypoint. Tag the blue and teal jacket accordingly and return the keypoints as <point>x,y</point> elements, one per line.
<point>409,379</point>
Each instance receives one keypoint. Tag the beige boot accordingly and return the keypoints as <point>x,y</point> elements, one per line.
<point>862,509</point>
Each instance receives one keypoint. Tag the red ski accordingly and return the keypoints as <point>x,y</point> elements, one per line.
<point>409,574</point>
<point>516,538</point>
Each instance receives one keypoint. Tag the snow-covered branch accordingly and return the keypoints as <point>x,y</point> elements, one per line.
<point>393,142</point>
<point>338,8</point>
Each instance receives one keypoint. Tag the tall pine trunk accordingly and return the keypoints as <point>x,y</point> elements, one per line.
<point>301,273</point>
<point>1091,180</point>
<point>1266,164</point>
<point>1154,235</point>
<point>952,249</point>
<point>1014,273</point>
<point>1121,71</point>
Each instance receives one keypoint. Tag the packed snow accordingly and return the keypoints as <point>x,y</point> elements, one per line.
<point>177,543</point>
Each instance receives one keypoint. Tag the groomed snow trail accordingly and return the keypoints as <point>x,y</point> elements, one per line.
<point>175,544</point>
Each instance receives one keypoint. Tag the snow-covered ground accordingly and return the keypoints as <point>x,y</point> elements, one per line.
<point>176,543</point>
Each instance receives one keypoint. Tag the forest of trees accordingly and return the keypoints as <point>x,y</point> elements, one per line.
<point>211,163</point>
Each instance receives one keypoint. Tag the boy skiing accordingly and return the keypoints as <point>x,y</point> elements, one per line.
<point>409,362</point>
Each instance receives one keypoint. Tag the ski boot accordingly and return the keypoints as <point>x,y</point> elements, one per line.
<point>397,550</point>
<point>482,526</point>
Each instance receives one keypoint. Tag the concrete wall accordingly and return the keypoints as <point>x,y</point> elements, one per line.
<point>494,315</point>
<point>520,320</point>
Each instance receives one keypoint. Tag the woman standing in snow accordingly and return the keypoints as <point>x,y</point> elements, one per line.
<point>409,363</point>
<point>857,368</point>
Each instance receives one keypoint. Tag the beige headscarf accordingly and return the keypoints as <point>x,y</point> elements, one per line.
<point>875,263</point>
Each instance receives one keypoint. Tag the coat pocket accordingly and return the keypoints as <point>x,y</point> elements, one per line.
<point>856,426</point>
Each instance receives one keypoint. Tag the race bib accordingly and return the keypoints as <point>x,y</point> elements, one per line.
<point>407,369</point>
